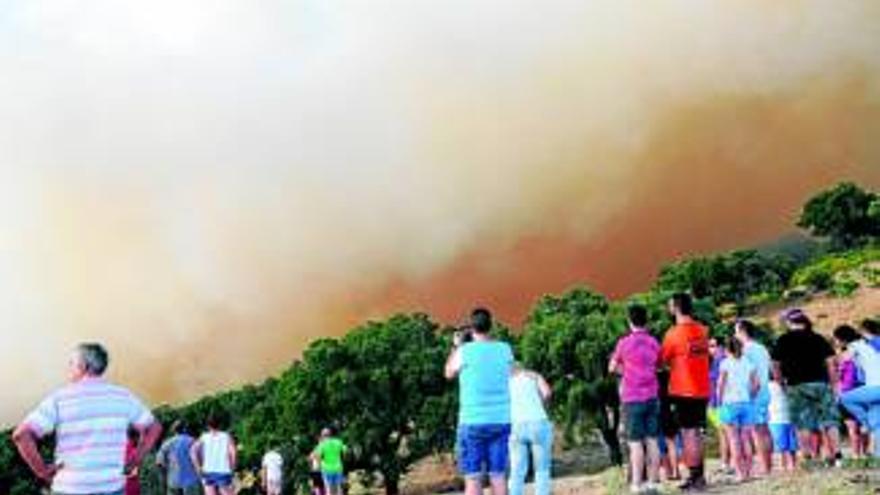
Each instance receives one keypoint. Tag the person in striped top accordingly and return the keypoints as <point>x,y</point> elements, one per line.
<point>90,418</point>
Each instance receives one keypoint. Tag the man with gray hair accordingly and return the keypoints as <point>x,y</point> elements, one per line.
<point>90,418</point>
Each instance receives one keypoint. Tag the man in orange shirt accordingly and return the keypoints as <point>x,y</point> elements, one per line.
<point>686,352</point>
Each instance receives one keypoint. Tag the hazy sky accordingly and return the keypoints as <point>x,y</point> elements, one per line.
<point>205,186</point>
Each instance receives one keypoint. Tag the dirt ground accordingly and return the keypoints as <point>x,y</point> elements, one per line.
<point>823,482</point>
<point>829,312</point>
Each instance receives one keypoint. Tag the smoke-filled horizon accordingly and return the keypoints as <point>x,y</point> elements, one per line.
<point>206,188</point>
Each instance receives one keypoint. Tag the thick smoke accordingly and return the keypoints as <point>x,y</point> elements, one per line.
<point>208,186</point>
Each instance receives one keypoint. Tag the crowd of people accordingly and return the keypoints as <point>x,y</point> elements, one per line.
<point>790,401</point>
<point>103,433</point>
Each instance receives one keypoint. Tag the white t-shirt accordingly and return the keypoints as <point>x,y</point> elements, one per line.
<point>215,452</point>
<point>526,404</point>
<point>273,462</point>
<point>868,360</point>
<point>778,410</point>
<point>738,385</point>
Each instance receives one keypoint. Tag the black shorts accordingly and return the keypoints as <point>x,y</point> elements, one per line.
<point>689,412</point>
<point>668,426</point>
<point>642,420</point>
<point>317,479</point>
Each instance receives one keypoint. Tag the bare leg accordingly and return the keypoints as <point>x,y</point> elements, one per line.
<point>831,437</point>
<point>636,462</point>
<point>672,454</point>
<point>499,485</point>
<point>807,444</point>
<point>693,447</point>
<point>653,460</point>
<point>734,441</point>
<point>724,448</point>
<point>763,447</point>
<point>746,435</point>
<point>855,437</point>
<point>472,486</point>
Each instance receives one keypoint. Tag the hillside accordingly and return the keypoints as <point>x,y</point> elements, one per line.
<point>829,311</point>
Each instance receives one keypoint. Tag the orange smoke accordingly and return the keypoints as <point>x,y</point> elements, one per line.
<point>717,174</point>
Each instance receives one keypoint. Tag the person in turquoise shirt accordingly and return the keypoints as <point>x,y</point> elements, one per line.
<point>483,367</point>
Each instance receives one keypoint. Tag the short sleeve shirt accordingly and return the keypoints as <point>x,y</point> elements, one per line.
<point>639,356</point>
<point>330,451</point>
<point>174,456</point>
<point>90,419</point>
<point>778,410</point>
<point>802,357</point>
<point>686,350</point>
<point>737,387</point>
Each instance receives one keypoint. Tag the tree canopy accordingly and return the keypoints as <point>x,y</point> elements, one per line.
<point>846,214</point>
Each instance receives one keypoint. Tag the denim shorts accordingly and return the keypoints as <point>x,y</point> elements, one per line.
<point>221,480</point>
<point>737,414</point>
<point>483,449</point>
<point>642,420</point>
<point>333,479</point>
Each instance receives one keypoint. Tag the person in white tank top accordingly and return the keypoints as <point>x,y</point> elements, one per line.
<point>214,454</point>
<point>272,472</point>
<point>531,430</point>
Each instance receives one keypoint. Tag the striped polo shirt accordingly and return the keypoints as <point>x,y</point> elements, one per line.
<point>90,419</point>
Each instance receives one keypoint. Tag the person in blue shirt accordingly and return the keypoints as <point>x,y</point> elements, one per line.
<point>747,332</point>
<point>872,331</point>
<point>174,461</point>
<point>483,368</point>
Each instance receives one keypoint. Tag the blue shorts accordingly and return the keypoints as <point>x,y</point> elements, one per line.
<point>483,449</point>
<point>784,438</point>
<point>333,479</point>
<point>760,411</point>
<point>737,414</point>
<point>217,479</point>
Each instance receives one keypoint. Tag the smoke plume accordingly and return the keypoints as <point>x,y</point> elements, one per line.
<point>208,186</point>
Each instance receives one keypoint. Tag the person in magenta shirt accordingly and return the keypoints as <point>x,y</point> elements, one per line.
<point>848,379</point>
<point>636,358</point>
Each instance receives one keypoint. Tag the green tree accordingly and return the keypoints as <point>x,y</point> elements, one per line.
<point>846,214</point>
<point>728,278</point>
<point>568,339</point>
<point>382,386</point>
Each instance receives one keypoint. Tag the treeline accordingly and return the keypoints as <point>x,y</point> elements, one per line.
<point>382,384</point>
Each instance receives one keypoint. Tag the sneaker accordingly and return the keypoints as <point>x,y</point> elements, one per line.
<point>651,487</point>
<point>636,489</point>
<point>693,485</point>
